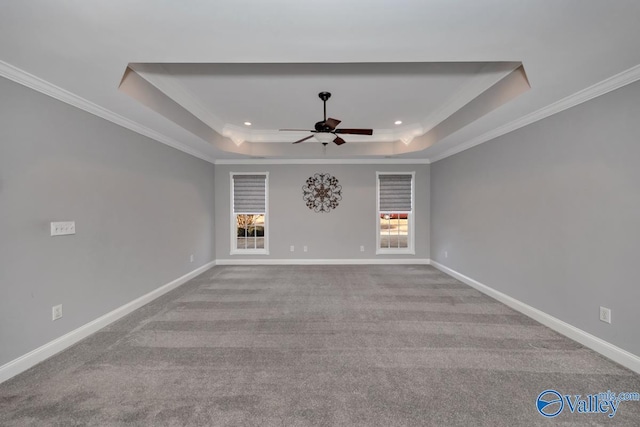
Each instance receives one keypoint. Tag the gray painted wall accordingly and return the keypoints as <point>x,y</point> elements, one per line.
<point>550,215</point>
<point>141,208</point>
<point>334,235</point>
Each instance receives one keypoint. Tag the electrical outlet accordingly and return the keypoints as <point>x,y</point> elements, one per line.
<point>56,312</point>
<point>191,258</point>
<point>362,248</point>
<point>63,228</point>
<point>292,248</point>
<point>446,254</point>
<point>605,314</point>
<point>304,249</point>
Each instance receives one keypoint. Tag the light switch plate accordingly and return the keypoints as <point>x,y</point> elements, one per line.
<point>56,312</point>
<point>63,228</point>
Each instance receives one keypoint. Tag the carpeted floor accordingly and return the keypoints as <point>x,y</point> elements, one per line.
<point>318,346</point>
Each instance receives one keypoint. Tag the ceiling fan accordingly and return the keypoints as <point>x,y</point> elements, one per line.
<point>328,126</point>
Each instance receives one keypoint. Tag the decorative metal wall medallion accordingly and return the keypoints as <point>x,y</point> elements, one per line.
<point>321,192</point>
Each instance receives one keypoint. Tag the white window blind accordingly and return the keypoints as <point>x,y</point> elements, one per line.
<point>249,194</point>
<point>395,193</point>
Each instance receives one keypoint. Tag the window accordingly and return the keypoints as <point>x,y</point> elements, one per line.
<point>249,229</point>
<point>395,234</point>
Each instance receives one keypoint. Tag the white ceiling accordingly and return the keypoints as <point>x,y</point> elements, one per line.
<point>422,54</point>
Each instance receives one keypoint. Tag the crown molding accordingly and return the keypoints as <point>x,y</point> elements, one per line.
<point>322,162</point>
<point>605,86</point>
<point>29,80</point>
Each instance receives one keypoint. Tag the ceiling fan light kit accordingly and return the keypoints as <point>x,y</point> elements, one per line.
<point>325,130</point>
<point>325,138</point>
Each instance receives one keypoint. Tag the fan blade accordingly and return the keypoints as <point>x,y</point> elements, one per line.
<point>339,141</point>
<point>296,130</point>
<point>355,131</point>
<point>332,123</point>
<point>303,139</point>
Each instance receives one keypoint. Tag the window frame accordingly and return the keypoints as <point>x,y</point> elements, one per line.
<point>411,232</point>
<point>233,228</point>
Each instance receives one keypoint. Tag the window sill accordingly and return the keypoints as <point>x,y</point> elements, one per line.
<point>403,251</point>
<point>249,252</point>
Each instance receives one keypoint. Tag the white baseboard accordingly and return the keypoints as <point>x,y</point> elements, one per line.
<point>332,261</point>
<point>617,354</point>
<point>22,363</point>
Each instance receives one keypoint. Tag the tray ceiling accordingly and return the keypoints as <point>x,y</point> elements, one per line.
<point>383,61</point>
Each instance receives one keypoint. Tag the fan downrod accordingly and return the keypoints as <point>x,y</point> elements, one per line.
<point>322,126</point>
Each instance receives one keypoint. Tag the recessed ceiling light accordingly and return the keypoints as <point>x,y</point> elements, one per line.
<point>247,123</point>
<point>398,122</point>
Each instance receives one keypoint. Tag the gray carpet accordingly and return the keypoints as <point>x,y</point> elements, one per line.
<point>317,346</point>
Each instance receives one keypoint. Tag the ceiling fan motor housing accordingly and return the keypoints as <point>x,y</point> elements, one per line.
<point>322,127</point>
